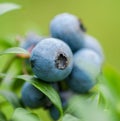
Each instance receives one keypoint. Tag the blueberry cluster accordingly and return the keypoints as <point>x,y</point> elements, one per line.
<point>69,60</point>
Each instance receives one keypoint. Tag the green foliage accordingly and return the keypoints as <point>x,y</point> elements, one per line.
<point>112,79</point>
<point>101,104</point>
<point>2,117</point>
<point>6,7</point>
<point>21,114</point>
<point>11,98</point>
<point>69,117</point>
<point>15,50</point>
<point>86,110</point>
<point>46,89</point>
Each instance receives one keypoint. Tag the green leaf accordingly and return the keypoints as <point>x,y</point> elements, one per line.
<point>107,94</point>
<point>5,43</point>
<point>2,117</point>
<point>6,7</point>
<point>45,88</point>
<point>11,98</point>
<point>95,98</point>
<point>86,111</point>
<point>21,114</point>
<point>112,79</point>
<point>15,50</point>
<point>69,117</point>
<point>2,75</point>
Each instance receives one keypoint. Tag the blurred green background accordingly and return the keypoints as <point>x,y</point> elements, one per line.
<point>101,18</point>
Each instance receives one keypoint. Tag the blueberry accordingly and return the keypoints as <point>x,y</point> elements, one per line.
<point>28,44</point>
<point>31,96</point>
<point>92,43</point>
<point>31,41</point>
<point>68,28</point>
<point>86,69</point>
<point>51,60</point>
<point>54,113</point>
<point>79,81</point>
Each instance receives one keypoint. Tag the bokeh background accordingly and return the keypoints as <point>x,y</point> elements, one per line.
<point>101,18</point>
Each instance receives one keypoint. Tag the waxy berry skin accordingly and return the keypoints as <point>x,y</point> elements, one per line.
<point>31,96</point>
<point>68,28</point>
<point>51,60</point>
<point>86,68</point>
<point>93,44</point>
<point>54,113</point>
<point>30,41</point>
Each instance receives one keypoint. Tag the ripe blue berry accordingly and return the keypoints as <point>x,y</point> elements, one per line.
<point>51,60</point>
<point>86,69</point>
<point>54,113</point>
<point>31,96</point>
<point>31,41</point>
<point>92,43</point>
<point>68,28</point>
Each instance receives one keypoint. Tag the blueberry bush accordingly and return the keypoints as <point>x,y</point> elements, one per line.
<point>57,78</point>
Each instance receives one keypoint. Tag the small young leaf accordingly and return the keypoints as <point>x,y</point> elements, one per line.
<point>11,98</point>
<point>21,114</point>
<point>15,50</point>
<point>6,7</point>
<point>46,89</point>
<point>69,117</point>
